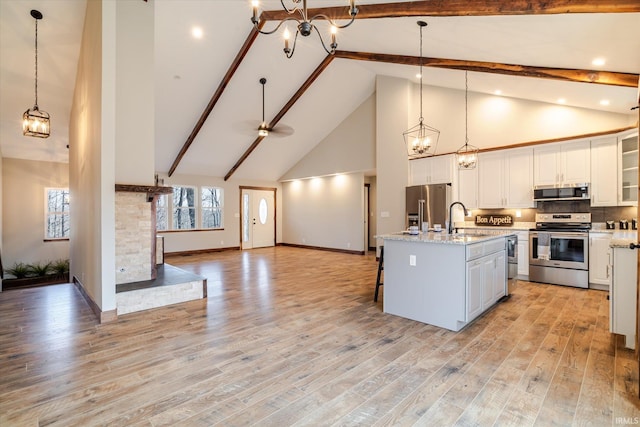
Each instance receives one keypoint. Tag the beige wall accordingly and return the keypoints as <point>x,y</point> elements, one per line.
<point>350,147</point>
<point>179,241</point>
<point>326,212</point>
<point>135,153</point>
<point>23,223</point>
<point>496,121</point>
<point>91,157</point>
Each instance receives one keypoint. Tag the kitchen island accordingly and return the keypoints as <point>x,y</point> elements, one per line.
<point>445,280</point>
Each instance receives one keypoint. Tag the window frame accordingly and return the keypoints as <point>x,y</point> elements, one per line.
<point>219,208</point>
<point>48,213</point>
<point>194,208</point>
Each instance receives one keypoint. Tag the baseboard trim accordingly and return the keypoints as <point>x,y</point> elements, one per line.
<point>102,316</point>
<point>320,248</point>
<point>201,251</point>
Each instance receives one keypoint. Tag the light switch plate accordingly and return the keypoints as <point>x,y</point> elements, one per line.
<point>412,260</point>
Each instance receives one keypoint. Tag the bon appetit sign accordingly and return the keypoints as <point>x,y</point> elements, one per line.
<point>496,220</point>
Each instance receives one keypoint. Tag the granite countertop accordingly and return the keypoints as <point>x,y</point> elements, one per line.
<point>622,238</point>
<point>444,238</point>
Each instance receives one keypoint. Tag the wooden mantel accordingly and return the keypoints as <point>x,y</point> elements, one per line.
<point>151,190</point>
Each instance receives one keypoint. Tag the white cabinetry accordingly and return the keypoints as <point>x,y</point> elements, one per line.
<point>604,183</point>
<point>431,170</point>
<point>468,187</point>
<point>486,276</point>
<point>622,300</point>
<point>565,163</point>
<point>523,254</point>
<point>628,169</point>
<point>505,179</point>
<point>599,260</point>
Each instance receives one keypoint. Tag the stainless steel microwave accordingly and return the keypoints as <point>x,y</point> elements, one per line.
<point>573,192</point>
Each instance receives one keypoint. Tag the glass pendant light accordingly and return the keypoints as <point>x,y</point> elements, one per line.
<point>35,122</point>
<point>421,140</point>
<point>467,155</point>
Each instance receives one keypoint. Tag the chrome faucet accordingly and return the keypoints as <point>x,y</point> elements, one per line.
<point>466,212</point>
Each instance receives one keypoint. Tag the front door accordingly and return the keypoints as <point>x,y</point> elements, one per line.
<point>258,218</point>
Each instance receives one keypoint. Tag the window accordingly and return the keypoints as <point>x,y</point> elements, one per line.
<point>184,208</point>
<point>211,207</point>
<point>56,213</point>
<point>162,212</point>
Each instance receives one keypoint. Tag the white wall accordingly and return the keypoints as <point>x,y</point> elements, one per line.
<point>350,147</point>
<point>325,212</point>
<point>229,237</point>
<point>24,219</point>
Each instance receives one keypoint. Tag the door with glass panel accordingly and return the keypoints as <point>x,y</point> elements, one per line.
<point>258,218</point>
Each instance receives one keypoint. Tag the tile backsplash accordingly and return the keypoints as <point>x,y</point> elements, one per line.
<point>598,214</point>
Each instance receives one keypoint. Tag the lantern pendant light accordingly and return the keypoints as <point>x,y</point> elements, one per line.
<point>421,140</point>
<point>467,155</point>
<point>35,122</point>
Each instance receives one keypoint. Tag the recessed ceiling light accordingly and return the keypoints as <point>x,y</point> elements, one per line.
<point>561,101</point>
<point>197,32</point>
<point>604,102</point>
<point>598,62</point>
<point>498,92</point>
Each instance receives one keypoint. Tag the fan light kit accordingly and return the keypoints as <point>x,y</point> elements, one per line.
<point>35,122</point>
<point>305,24</point>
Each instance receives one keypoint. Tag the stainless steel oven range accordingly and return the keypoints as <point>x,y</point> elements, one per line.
<point>559,249</point>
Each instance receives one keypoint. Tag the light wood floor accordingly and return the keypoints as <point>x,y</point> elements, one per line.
<point>291,336</point>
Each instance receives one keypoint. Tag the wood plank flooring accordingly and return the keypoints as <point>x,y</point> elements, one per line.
<point>291,336</point>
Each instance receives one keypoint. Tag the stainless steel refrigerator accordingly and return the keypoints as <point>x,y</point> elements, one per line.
<point>428,203</point>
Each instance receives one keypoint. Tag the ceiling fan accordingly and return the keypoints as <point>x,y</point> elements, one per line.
<point>279,130</point>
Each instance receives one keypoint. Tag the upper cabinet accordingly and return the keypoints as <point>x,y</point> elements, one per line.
<point>505,179</point>
<point>562,164</point>
<point>468,187</point>
<point>604,160</point>
<point>628,168</point>
<point>432,170</point>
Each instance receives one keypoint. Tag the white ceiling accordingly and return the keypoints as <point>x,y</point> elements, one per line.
<point>189,70</point>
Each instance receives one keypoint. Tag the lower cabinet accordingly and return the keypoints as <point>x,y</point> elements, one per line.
<point>486,280</point>
<point>523,254</point>
<point>622,298</point>
<point>600,260</point>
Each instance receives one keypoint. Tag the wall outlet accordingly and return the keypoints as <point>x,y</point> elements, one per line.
<point>221,242</point>
<point>384,214</point>
<point>348,245</point>
<point>304,240</point>
<point>412,260</point>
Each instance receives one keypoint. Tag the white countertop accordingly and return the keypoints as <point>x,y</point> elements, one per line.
<point>622,238</point>
<point>443,237</point>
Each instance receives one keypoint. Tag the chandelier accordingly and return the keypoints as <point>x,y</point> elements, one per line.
<point>467,155</point>
<point>421,139</point>
<point>34,121</point>
<point>305,25</point>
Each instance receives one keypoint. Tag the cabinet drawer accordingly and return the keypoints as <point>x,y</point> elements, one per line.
<point>494,246</point>
<point>475,251</point>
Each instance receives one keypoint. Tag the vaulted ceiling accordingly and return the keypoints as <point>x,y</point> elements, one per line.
<point>189,71</point>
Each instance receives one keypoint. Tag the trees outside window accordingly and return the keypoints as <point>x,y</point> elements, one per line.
<point>184,208</point>
<point>56,213</point>
<point>211,207</point>
<point>162,212</point>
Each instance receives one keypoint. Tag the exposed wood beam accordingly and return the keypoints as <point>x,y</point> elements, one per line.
<point>468,8</point>
<point>216,96</point>
<point>564,74</point>
<point>316,73</point>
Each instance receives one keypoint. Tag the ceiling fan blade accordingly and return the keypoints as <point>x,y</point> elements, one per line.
<point>281,131</point>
